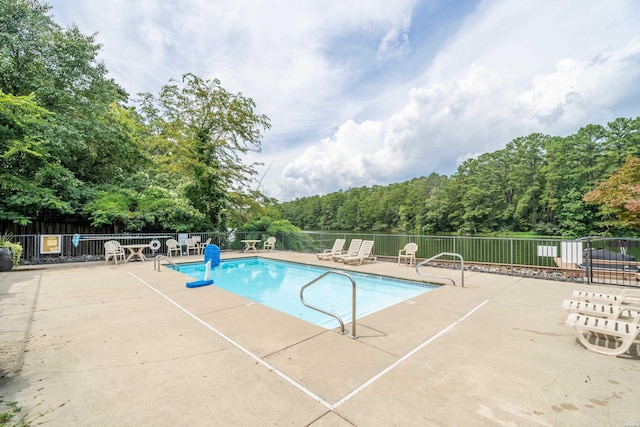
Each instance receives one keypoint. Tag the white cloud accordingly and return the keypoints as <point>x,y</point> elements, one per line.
<point>580,91</point>
<point>335,77</point>
<point>338,162</point>
<point>514,68</point>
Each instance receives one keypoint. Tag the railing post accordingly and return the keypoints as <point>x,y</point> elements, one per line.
<point>511,255</point>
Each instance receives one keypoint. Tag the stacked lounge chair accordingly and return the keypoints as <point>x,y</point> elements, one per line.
<point>606,323</point>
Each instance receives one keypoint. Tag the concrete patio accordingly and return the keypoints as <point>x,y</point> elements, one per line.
<point>93,344</point>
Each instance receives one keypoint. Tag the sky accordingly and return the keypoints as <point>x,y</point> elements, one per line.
<point>373,92</point>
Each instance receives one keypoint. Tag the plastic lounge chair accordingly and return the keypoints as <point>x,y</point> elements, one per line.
<point>408,253</point>
<point>614,312</point>
<point>364,254</point>
<point>270,244</point>
<point>112,249</point>
<point>604,336</point>
<point>192,245</point>
<point>625,296</point>
<point>337,249</point>
<point>352,250</point>
<point>201,246</point>
<point>173,246</point>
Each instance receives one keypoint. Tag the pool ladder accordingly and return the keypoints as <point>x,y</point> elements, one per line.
<point>343,331</point>
<point>442,277</point>
<point>156,262</point>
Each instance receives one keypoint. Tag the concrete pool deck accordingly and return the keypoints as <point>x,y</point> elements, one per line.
<point>93,344</point>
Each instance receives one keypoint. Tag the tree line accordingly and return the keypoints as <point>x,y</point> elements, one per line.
<point>547,185</point>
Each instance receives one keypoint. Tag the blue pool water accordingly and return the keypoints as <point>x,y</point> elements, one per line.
<point>277,284</point>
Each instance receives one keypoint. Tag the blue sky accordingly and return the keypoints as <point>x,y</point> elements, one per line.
<point>372,92</point>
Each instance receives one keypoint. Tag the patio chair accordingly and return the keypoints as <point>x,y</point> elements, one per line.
<point>270,244</point>
<point>112,249</point>
<point>192,245</point>
<point>201,246</point>
<point>364,254</point>
<point>408,253</point>
<point>614,312</point>
<point>337,249</point>
<point>604,336</point>
<point>352,250</point>
<point>173,246</point>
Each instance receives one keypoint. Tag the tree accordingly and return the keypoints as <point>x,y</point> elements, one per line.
<point>572,215</point>
<point>482,183</point>
<point>65,114</point>
<point>525,180</point>
<point>290,236</point>
<point>60,67</point>
<point>31,179</point>
<point>622,141</point>
<point>151,209</point>
<point>198,133</point>
<point>621,193</point>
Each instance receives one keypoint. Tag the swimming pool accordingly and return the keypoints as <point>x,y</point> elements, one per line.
<point>277,284</point>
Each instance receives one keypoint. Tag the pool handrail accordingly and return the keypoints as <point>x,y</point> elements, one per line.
<point>156,262</point>
<point>353,302</point>
<point>426,261</point>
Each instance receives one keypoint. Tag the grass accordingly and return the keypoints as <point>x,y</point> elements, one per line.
<point>9,411</point>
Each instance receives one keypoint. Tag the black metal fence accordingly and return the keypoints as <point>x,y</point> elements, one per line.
<point>595,260</point>
<point>55,248</point>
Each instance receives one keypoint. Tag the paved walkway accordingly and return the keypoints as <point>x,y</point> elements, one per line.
<point>95,344</point>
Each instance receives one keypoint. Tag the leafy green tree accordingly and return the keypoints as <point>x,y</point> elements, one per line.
<point>573,216</point>
<point>348,212</point>
<point>330,205</point>
<point>311,213</point>
<point>153,209</point>
<point>438,213</point>
<point>60,67</point>
<point>413,209</point>
<point>622,140</point>
<point>31,180</point>
<point>200,131</point>
<point>289,236</point>
<point>525,180</point>
<point>481,183</point>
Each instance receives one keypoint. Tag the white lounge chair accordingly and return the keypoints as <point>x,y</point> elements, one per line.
<point>173,247</point>
<point>270,244</point>
<point>192,245</point>
<point>625,296</point>
<point>605,336</point>
<point>352,250</point>
<point>614,312</point>
<point>365,253</point>
<point>408,253</point>
<point>337,249</point>
<point>112,249</point>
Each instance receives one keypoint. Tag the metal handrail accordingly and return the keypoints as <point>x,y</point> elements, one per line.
<point>353,302</point>
<point>441,277</point>
<point>156,262</point>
